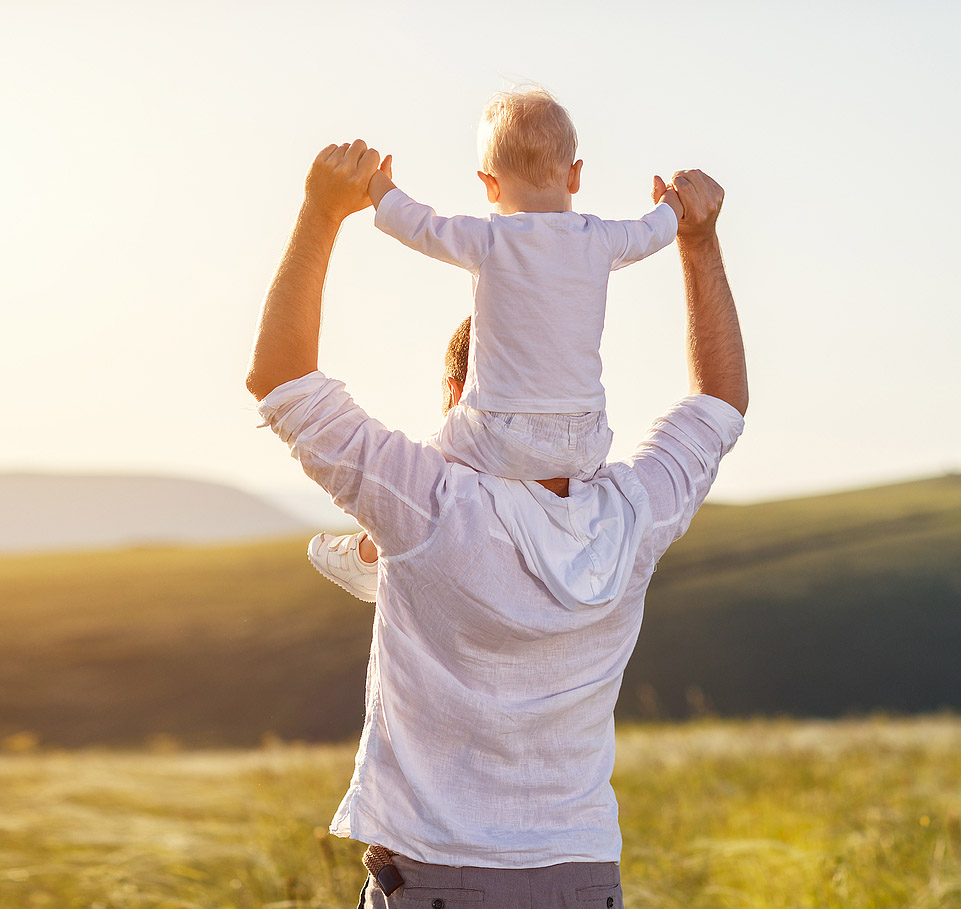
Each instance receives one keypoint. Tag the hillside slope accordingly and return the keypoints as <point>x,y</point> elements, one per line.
<point>211,645</point>
<point>816,606</point>
<point>57,512</point>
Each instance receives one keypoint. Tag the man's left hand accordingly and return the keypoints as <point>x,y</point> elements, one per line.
<point>337,183</point>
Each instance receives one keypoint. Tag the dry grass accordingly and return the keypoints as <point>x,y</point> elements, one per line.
<point>198,829</point>
<point>716,815</point>
<point>810,815</point>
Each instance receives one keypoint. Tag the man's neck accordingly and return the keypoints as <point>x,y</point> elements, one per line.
<point>560,486</point>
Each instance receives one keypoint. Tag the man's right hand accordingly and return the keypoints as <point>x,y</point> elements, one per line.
<point>702,198</point>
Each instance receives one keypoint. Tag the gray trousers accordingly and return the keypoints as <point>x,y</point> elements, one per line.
<point>572,885</point>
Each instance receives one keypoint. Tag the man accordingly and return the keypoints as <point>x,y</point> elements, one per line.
<point>506,610</point>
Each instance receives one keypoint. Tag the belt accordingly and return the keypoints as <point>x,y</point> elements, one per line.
<point>377,860</point>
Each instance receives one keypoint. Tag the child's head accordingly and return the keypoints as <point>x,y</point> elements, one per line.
<point>527,135</point>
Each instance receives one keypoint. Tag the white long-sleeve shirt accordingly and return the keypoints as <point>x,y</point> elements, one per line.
<point>540,295</point>
<point>505,617</point>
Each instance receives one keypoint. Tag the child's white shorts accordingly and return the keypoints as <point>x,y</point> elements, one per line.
<point>525,446</point>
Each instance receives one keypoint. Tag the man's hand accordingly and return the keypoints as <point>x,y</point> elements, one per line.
<point>702,198</point>
<point>664,193</point>
<point>337,183</point>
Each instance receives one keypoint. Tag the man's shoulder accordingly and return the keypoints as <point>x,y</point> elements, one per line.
<point>323,408</point>
<point>714,413</point>
<point>697,431</point>
<point>295,389</point>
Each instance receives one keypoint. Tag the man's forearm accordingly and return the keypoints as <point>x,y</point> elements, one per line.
<point>715,350</point>
<point>285,346</point>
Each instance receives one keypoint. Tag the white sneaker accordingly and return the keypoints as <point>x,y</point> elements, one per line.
<point>338,558</point>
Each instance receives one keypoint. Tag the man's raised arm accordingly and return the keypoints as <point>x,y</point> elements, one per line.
<point>715,351</point>
<point>285,345</point>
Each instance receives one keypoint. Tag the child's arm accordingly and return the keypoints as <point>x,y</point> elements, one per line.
<point>461,240</point>
<point>635,240</point>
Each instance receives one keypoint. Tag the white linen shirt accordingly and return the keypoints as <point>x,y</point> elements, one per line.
<point>505,617</point>
<point>540,295</point>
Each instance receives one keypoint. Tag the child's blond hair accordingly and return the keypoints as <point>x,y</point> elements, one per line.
<point>527,135</point>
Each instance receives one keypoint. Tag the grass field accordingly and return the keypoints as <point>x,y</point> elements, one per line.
<point>716,815</point>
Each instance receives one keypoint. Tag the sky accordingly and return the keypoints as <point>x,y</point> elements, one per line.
<point>153,162</point>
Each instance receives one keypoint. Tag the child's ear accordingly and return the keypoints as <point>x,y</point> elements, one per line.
<point>493,188</point>
<point>574,177</point>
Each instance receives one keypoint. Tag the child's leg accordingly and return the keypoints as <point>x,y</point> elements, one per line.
<point>525,446</point>
<point>367,549</point>
<point>350,561</point>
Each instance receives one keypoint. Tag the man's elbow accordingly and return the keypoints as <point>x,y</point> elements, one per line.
<point>261,382</point>
<point>735,395</point>
<point>741,404</point>
<point>739,399</point>
<point>257,385</point>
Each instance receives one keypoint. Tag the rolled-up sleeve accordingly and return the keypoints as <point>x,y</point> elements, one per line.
<point>380,477</point>
<point>678,460</point>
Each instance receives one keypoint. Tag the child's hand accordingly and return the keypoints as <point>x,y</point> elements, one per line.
<point>664,193</point>
<point>381,182</point>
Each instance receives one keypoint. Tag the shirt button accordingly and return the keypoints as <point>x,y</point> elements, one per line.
<point>610,902</point>
<point>437,904</point>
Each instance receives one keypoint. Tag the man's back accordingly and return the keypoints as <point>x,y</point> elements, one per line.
<point>505,617</point>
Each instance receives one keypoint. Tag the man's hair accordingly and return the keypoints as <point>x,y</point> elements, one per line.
<point>527,135</point>
<point>455,360</point>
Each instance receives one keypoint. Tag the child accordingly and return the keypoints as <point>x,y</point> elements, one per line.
<point>532,407</point>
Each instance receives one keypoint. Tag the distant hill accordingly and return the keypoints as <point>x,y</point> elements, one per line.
<point>41,512</point>
<point>816,606</point>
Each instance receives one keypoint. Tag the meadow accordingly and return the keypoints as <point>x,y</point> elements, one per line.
<point>716,814</point>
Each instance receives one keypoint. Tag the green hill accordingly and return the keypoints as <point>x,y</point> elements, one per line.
<point>817,606</point>
<point>212,645</point>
